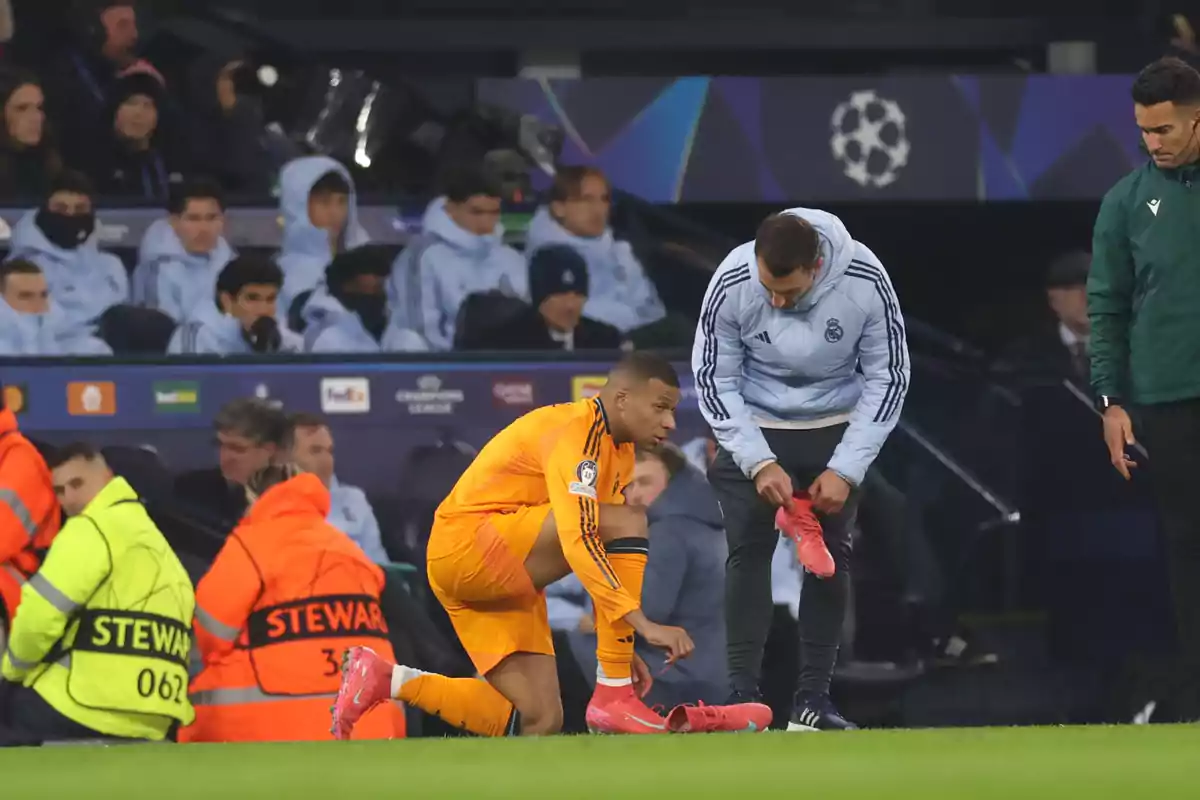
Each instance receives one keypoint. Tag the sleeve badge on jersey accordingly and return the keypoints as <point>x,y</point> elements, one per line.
<point>586,473</point>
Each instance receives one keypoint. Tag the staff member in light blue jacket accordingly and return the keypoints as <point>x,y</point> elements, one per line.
<point>460,251</point>
<point>241,319</point>
<point>801,369</point>
<point>349,510</point>
<point>58,237</point>
<point>577,215</point>
<point>320,220</point>
<point>30,325</point>
<point>181,256</point>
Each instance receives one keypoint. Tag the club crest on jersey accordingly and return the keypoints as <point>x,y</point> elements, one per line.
<point>833,330</point>
<point>586,474</point>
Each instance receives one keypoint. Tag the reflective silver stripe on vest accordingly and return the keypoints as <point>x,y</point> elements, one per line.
<point>21,511</point>
<point>15,573</point>
<point>51,593</point>
<point>250,694</point>
<point>215,626</point>
<point>17,662</point>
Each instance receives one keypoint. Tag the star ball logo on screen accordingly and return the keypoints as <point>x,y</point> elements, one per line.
<point>430,397</point>
<point>585,387</point>
<point>345,395</point>
<point>512,392</point>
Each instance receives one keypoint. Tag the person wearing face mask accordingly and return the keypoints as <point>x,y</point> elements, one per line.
<point>133,157</point>
<point>242,320</point>
<point>558,283</point>
<point>460,251</point>
<point>30,325</point>
<point>28,157</point>
<point>320,220</point>
<point>84,282</point>
<point>348,312</point>
<point>801,370</point>
<point>181,256</point>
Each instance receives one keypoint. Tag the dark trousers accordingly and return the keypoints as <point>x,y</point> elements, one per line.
<point>750,529</point>
<point>30,720</point>
<point>1171,434</point>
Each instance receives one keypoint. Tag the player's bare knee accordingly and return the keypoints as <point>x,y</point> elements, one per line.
<point>542,718</point>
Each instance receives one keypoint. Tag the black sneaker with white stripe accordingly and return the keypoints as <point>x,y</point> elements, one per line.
<point>816,712</point>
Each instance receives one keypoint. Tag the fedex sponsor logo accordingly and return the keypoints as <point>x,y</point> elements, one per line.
<point>345,395</point>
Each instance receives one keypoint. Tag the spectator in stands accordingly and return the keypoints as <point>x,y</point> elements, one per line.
<point>460,251</point>
<point>230,138</point>
<point>79,76</point>
<point>348,312</point>
<point>685,572</point>
<point>84,282</point>
<point>1062,349</point>
<point>28,158</point>
<point>558,283</point>
<point>181,256</point>
<point>242,319</point>
<point>132,156</point>
<point>250,434</point>
<point>349,510</point>
<point>320,220</point>
<point>578,215</point>
<point>30,325</point>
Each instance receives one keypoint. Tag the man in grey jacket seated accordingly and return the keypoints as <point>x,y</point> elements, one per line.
<point>684,584</point>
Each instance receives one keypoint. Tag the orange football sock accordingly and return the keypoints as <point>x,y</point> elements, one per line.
<point>614,638</point>
<point>467,703</point>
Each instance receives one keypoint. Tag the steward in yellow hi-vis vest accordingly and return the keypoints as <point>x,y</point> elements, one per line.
<point>102,638</point>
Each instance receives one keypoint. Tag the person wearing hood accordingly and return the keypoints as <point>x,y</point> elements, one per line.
<point>28,157</point>
<point>181,256</point>
<point>84,282</point>
<point>558,283</point>
<point>578,215</point>
<point>348,311</point>
<point>242,320</point>
<point>133,155</point>
<point>29,323</point>
<point>460,251</point>
<point>320,220</point>
<point>801,370</point>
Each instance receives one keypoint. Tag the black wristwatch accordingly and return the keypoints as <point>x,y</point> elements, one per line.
<point>1106,401</point>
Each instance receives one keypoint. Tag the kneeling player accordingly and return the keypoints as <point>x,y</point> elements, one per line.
<point>542,499</point>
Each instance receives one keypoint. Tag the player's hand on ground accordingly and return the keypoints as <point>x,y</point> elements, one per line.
<point>674,640</point>
<point>774,485</point>
<point>829,492</point>
<point>642,679</point>
<point>1118,434</point>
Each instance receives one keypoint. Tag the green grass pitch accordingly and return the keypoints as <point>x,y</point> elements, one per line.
<point>1158,762</point>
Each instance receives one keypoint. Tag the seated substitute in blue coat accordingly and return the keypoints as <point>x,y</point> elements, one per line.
<point>349,510</point>
<point>181,256</point>
<point>84,282</point>
<point>577,215</point>
<point>30,324</point>
<point>348,312</point>
<point>241,319</point>
<point>801,369</point>
<point>460,251</point>
<point>320,220</point>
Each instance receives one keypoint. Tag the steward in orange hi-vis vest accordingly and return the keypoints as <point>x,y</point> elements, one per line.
<point>285,598</point>
<point>29,512</point>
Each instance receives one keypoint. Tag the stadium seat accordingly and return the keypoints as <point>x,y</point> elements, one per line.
<point>482,312</point>
<point>132,330</point>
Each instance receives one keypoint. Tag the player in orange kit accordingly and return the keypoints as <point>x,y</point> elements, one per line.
<point>541,500</point>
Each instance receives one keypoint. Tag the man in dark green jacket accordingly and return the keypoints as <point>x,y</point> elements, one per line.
<point>1144,306</point>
